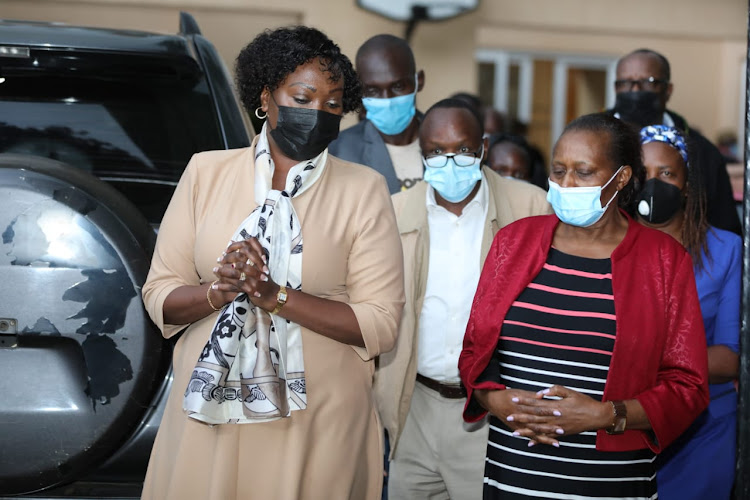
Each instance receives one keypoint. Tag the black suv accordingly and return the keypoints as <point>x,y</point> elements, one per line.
<point>96,127</point>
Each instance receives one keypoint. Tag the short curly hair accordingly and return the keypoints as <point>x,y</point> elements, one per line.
<point>274,54</point>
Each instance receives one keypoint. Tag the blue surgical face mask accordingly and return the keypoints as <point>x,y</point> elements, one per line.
<point>392,115</point>
<point>454,183</point>
<point>579,206</point>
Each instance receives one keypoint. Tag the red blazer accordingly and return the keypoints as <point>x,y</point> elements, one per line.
<point>659,356</point>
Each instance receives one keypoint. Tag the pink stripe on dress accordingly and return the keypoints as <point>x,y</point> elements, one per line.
<point>563,312</point>
<point>555,346</point>
<point>573,293</point>
<point>574,272</point>
<point>558,330</point>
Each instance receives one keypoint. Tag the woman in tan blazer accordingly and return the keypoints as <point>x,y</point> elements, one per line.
<point>272,393</point>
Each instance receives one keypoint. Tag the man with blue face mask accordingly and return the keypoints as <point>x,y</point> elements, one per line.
<point>386,139</point>
<point>447,223</point>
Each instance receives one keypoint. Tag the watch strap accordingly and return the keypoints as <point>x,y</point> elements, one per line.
<point>620,417</point>
<point>281,298</point>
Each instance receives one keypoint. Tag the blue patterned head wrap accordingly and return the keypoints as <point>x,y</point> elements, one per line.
<point>668,135</point>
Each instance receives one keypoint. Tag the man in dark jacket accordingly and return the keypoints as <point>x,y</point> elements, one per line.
<point>388,138</point>
<point>642,88</point>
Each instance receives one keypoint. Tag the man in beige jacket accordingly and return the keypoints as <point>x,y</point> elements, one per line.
<point>447,223</point>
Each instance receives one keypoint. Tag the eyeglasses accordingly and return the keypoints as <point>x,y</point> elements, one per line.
<point>461,159</point>
<point>649,84</point>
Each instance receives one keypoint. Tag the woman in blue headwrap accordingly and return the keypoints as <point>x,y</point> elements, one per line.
<point>700,464</point>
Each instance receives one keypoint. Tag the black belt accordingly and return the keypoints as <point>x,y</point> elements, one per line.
<point>449,391</point>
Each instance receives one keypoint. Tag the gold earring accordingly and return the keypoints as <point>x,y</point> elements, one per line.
<point>257,113</point>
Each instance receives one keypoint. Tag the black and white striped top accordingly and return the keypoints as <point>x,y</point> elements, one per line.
<point>561,330</point>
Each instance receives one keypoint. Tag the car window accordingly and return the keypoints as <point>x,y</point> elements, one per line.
<point>135,133</point>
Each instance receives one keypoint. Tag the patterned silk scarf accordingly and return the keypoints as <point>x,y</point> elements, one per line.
<point>252,368</point>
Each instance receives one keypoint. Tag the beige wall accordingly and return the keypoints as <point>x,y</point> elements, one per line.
<point>704,40</point>
<point>706,72</point>
<point>699,18</point>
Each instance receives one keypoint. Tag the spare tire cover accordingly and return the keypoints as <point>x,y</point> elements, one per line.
<point>79,358</point>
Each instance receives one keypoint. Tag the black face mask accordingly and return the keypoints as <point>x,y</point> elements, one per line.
<point>640,108</point>
<point>302,133</point>
<point>659,201</point>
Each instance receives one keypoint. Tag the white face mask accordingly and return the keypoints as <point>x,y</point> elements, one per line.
<point>579,206</point>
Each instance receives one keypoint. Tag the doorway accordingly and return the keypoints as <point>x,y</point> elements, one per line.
<point>539,93</point>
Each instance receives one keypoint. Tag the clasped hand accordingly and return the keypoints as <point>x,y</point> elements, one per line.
<point>243,268</point>
<point>542,419</point>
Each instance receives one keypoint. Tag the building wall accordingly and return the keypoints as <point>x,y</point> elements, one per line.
<point>704,41</point>
<point>706,72</point>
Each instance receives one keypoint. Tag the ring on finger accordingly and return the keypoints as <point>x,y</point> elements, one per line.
<point>250,263</point>
<point>242,276</point>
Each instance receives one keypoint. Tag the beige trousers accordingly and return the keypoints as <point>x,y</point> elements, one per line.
<point>438,456</point>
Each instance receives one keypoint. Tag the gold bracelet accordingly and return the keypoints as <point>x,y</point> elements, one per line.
<point>208,296</point>
<point>281,298</point>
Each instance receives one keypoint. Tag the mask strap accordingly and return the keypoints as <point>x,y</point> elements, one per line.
<point>607,184</point>
<point>613,176</point>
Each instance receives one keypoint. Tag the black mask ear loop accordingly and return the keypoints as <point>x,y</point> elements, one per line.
<point>275,103</point>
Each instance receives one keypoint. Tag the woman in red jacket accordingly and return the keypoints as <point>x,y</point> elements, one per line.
<point>585,342</point>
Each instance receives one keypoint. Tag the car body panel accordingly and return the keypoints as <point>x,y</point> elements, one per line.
<point>86,371</point>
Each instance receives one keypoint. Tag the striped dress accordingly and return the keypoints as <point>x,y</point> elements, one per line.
<point>561,330</point>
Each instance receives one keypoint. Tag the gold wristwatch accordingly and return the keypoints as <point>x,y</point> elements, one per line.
<point>621,418</point>
<point>281,297</point>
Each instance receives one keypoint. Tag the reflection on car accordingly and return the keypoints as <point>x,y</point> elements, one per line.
<point>96,127</point>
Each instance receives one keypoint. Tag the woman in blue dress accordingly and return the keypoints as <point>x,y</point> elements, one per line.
<point>701,463</point>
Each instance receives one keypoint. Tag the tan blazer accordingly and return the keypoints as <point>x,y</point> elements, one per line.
<point>509,200</point>
<point>351,254</point>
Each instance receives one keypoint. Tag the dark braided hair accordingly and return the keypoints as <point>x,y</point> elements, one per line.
<point>273,55</point>
<point>695,222</point>
<point>624,148</point>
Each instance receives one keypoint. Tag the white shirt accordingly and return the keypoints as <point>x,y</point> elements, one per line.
<point>407,162</point>
<point>452,278</point>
